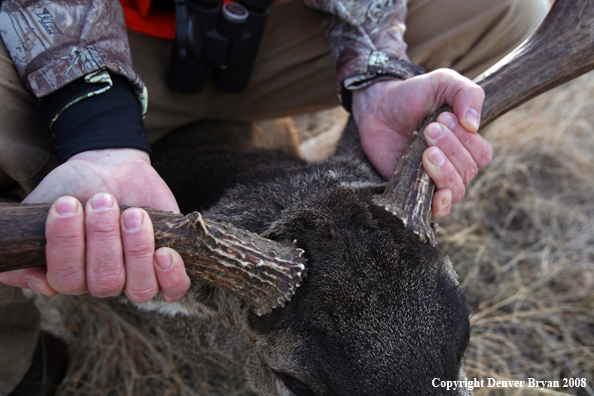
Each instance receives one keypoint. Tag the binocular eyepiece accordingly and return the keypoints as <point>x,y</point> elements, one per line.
<point>216,38</point>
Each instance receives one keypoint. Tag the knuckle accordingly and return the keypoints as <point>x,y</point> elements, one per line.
<point>139,250</point>
<point>65,241</point>
<point>485,157</point>
<point>480,92</point>
<point>67,280</point>
<point>456,150</point>
<point>447,73</point>
<point>473,87</point>
<point>458,194</point>
<point>106,283</point>
<point>172,298</point>
<point>450,179</point>
<point>103,225</point>
<point>105,290</point>
<point>102,231</point>
<point>469,173</point>
<point>466,138</point>
<point>173,295</point>
<point>141,294</point>
<point>174,287</point>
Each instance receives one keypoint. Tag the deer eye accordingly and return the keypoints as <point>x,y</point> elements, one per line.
<point>294,385</point>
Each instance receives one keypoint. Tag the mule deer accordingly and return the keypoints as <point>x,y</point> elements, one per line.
<point>380,312</point>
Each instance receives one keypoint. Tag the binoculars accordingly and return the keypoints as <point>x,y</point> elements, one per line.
<point>215,38</point>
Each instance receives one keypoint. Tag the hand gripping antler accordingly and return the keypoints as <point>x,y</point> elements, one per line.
<point>561,49</point>
<point>263,272</point>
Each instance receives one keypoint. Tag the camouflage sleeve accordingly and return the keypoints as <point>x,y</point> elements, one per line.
<point>366,41</point>
<point>55,42</point>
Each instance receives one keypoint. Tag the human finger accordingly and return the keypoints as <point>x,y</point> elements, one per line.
<point>139,245</point>
<point>65,246</point>
<point>29,278</point>
<point>465,97</point>
<point>173,280</point>
<point>104,254</point>
<point>477,146</point>
<point>443,173</point>
<point>438,135</point>
<point>468,104</point>
<point>442,202</point>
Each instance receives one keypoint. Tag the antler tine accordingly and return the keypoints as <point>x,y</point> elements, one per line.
<point>558,51</point>
<point>263,272</point>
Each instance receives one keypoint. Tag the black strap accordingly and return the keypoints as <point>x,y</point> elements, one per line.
<point>111,119</point>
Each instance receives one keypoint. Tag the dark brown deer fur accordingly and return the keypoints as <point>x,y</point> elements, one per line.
<point>380,313</point>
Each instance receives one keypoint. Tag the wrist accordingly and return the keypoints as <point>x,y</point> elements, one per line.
<point>111,118</point>
<point>113,156</point>
<point>379,67</point>
<point>366,101</point>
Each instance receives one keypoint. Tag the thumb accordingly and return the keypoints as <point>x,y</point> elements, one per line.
<point>465,97</point>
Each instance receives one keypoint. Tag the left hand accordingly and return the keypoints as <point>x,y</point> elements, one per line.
<point>388,112</point>
<point>98,250</point>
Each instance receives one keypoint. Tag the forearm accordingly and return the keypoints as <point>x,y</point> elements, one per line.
<point>53,43</point>
<point>74,57</point>
<point>366,42</point>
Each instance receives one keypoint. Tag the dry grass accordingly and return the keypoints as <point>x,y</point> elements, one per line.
<point>113,352</point>
<point>523,244</point>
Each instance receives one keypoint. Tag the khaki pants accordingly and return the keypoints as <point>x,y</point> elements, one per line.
<point>293,74</point>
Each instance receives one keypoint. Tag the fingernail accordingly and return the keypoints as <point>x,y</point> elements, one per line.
<point>163,260</point>
<point>66,206</point>
<point>448,120</point>
<point>447,202</point>
<point>435,132</point>
<point>472,116</point>
<point>35,286</point>
<point>437,158</point>
<point>102,202</point>
<point>133,220</point>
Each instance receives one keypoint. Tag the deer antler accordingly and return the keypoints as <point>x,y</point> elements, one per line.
<point>558,51</point>
<point>263,272</point>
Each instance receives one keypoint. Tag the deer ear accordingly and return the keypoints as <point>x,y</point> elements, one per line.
<point>309,221</point>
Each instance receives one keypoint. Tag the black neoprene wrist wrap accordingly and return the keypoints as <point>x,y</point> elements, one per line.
<point>111,119</point>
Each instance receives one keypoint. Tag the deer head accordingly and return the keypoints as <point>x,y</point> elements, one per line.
<point>381,313</point>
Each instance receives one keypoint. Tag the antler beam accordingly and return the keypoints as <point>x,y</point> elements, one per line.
<point>558,51</point>
<point>263,272</point>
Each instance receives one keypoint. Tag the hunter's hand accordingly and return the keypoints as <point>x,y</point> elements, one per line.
<point>98,250</point>
<point>387,113</point>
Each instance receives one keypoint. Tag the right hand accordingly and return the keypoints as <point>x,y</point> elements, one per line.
<point>98,250</point>
<point>388,112</point>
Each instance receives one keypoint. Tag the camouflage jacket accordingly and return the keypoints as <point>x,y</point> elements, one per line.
<point>54,42</point>
<point>366,42</point>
